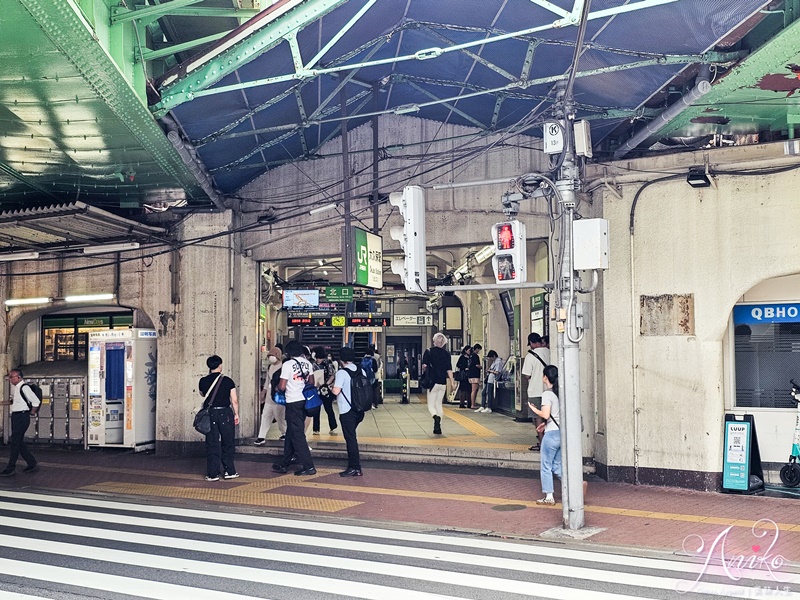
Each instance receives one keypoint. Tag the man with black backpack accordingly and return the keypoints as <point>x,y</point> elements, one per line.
<point>354,394</point>
<point>24,403</point>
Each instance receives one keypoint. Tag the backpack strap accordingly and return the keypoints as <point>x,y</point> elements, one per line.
<point>352,374</point>
<point>539,358</point>
<point>21,393</point>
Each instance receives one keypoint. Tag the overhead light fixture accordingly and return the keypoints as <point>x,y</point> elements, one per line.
<point>698,178</point>
<point>19,256</point>
<point>89,298</point>
<point>111,248</point>
<point>320,209</point>
<point>25,301</point>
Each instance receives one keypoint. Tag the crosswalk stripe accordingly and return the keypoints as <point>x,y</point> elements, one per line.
<point>367,591</point>
<point>364,566</point>
<point>16,596</point>
<point>417,573</point>
<point>144,588</point>
<point>591,556</point>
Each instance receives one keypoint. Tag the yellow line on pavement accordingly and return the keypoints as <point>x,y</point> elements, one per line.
<point>251,491</point>
<point>470,425</point>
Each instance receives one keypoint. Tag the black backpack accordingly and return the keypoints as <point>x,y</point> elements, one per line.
<point>360,391</point>
<point>36,390</point>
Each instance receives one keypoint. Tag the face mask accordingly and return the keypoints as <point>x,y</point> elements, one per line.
<point>272,359</point>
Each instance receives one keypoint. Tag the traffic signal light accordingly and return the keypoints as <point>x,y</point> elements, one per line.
<point>510,260</point>
<point>412,268</point>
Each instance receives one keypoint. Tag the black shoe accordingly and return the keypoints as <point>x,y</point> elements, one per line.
<point>279,468</point>
<point>308,471</point>
<point>31,468</point>
<point>437,425</point>
<point>351,473</point>
<point>8,472</point>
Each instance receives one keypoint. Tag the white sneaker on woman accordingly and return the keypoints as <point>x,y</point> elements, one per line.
<point>487,410</point>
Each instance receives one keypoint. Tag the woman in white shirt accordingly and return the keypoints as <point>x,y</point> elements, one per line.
<point>551,442</point>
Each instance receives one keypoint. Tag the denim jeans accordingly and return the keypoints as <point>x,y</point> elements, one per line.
<point>551,459</point>
<point>487,399</point>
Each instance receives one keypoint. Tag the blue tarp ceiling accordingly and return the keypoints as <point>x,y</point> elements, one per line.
<point>496,86</point>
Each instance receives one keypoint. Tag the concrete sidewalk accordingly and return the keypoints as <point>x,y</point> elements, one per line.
<point>404,433</point>
<point>492,502</point>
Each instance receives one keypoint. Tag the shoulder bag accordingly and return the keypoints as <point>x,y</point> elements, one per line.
<point>310,392</point>
<point>426,381</point>
<point>202,420</point>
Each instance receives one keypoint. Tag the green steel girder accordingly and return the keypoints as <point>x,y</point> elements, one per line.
<point>733,95</point>
<point>148,55</point>
<point>69,31</point>
<point>265,34</point>
<point>121,14</point>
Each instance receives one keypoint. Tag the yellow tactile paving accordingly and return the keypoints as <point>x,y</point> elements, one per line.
<point>469,424</point>
<point>248,497</point>
<point>448,442</point>
<point>252,492</point>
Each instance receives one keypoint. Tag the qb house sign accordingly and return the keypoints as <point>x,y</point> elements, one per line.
<point>749,314</point>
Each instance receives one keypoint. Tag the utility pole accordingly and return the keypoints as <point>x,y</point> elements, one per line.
<point>567,183</point>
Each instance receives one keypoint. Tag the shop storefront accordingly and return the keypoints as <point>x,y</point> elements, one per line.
<point>66,337</point>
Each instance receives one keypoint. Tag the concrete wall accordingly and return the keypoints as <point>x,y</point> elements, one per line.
<point>660,378</point>
<point>217,314</point>
<point>455,217</point>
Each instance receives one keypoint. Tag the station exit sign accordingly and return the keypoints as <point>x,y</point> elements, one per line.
<point>339,294</point>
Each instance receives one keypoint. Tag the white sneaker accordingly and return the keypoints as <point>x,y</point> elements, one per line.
<point>487,410</point>
<point>479,409</point>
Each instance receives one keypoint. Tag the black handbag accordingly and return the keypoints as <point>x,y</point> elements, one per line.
<point>202,420</point>
<point>426,381</point>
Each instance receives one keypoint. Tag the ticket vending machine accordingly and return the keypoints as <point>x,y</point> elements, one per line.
<point>121,411</point>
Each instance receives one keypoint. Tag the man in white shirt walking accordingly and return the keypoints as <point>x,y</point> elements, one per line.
<point>24,402</point>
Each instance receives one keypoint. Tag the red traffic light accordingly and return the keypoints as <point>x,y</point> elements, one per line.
<point>505,236</point>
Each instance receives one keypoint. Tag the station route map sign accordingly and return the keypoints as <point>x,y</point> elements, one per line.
<point>300,298</point>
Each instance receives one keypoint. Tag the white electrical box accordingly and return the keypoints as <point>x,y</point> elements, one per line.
<point>590,244</point>
<point>583,139</point>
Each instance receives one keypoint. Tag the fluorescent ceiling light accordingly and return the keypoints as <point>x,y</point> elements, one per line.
<point>24,301</point>
<point>320,209</point>
<point>89,298</point>
<point>20,256</point>
<point>111,248</point>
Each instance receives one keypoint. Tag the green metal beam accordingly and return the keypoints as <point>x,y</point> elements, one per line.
<point>121,14</point>
<point>265,34</point>
<point>148,55</point>
<point>69,31</point>
<point>733,95</point>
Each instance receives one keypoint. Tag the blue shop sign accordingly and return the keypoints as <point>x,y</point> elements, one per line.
<point>766,313</point>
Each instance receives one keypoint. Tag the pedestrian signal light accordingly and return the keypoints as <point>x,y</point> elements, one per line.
<point>510,259</point>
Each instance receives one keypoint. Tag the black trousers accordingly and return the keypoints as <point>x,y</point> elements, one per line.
<point>327,404</point>
<point>20,421</point>
<point>220,442</point>
<point>350,421</point>
<point>296,442</point>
